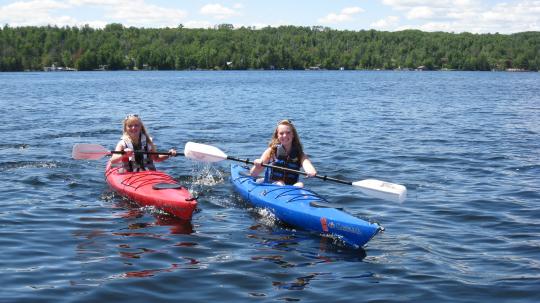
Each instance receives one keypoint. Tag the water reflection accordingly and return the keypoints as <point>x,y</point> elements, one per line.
<point>176,226</point>
<point>283,238</point>
<point>189,263</point>
<point>275,244</point>
<point>135,246</point>
<point>299,283</point>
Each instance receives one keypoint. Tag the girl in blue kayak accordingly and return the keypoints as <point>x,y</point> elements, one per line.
<point>284,150</point>
<point>136,138</point>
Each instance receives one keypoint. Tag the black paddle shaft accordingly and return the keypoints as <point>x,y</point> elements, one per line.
<point>148,153</point>
<point>325,178</point>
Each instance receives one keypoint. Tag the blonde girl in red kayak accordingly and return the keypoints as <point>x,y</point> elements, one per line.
<point>284,150</point>
<point>136,138</point>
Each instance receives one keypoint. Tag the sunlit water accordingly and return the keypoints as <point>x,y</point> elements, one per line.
<point>466,145</point>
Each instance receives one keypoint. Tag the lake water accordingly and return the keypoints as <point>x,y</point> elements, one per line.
<point>466,145</point>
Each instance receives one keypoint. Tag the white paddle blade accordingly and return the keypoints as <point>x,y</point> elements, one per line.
<point>203,152</point>
<point>85,151</point>
<point>382,190</point>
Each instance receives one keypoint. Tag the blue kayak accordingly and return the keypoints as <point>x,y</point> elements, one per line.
<point>303,209</point>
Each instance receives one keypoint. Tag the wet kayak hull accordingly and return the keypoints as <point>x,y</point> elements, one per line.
<point>304,209</point>
<point>152,188</point>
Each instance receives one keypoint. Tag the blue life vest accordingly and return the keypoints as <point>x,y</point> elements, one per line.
<point>292,161</point>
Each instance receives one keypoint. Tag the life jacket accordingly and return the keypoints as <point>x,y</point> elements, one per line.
<point>292,161</point>
<point>138,161</point>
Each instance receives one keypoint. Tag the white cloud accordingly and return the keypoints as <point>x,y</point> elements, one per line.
<point>37,5</point>
<point>387,23</point>
<point>421,9</point>
<point>135,12</point>
<point>33,13</point>
<point>218,11</point>
<point>523,16</point>
<point>334,18</point>
<point>345,15</point>
<point>351,10</point>
<point>127,12</point>
<point>469,15</point>
<point>142,14</point>
<point>198,24</point>
<point>478,16</point>
<point>420,12</point>
<point>407,4</point>
<point>94,23</point>
<point>103,2</point>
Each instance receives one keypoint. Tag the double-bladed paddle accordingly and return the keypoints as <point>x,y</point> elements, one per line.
<point>371,187</point>
<point>86,151</point>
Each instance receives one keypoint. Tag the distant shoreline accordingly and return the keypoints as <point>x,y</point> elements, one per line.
<point>116,47</point>
<point>273,70</point>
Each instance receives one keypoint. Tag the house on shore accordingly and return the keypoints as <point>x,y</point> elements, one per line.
<point>54,68</point>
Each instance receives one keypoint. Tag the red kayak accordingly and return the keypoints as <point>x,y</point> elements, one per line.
<point>152,188</point>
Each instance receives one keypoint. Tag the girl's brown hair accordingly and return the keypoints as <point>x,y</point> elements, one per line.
<point>274,142</point>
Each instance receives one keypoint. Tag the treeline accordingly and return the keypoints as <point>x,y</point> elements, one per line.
<point>116,47</point>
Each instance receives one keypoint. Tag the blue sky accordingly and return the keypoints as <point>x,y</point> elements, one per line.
<point>476,16</point>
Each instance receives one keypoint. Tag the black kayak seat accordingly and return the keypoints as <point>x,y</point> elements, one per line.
<point>325,205</point>
<point>166,186</point>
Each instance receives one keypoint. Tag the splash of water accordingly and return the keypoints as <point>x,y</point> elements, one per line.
<point>207,175</point>
<point>267,217</point>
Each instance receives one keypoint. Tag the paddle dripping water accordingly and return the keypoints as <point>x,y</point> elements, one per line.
<point>372,187</point>
<point>300,207</point>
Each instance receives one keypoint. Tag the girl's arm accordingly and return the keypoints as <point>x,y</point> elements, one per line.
<point>159,158</point>
<point>257,167</point>
<point>308,166</point>
<point>116,158</point>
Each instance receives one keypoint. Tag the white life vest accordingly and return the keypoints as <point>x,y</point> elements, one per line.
<point>138,161</point>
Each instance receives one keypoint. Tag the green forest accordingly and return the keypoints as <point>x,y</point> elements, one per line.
<point>117,47</point>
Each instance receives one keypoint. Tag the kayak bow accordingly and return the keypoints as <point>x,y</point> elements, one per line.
<point>152,188</point>
<point>303,209</point>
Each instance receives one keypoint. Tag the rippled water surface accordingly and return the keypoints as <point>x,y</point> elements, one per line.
<point>466,145</point>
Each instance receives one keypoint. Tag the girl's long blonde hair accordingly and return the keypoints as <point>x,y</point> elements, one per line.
<point>131,118</point>
<point>274,142</point>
